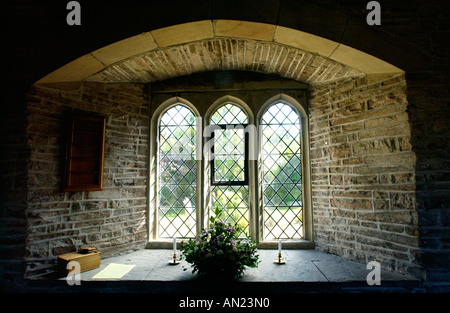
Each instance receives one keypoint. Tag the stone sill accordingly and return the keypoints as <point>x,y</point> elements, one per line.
<point>271,244</point>
<point>304,271</point>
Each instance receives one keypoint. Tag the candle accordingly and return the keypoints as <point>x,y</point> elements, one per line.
<point>174,245</point>
<point>279,245</point>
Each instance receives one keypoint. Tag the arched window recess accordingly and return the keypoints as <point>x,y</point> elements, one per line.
<point>256,169</point>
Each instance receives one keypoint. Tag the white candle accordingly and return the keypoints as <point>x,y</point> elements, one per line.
<point>279,245</point>
<point>174,245</point>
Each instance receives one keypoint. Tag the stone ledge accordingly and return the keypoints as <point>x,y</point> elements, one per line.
<point>301,266</point>
<point>265,245</point>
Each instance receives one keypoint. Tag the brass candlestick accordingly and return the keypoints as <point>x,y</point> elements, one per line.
<point>174,260</point>
<point>279,260</point>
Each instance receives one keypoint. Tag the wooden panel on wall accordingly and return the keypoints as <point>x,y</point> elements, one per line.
<point>85,150</point>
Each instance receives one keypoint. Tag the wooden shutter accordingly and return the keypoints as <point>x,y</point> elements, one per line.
<point>85,151</point>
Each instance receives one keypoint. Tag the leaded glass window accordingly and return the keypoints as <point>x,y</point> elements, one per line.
<point>282,175</point>
<point>177,173</point>
<point>229,165</point>
<point>229,114</point>
<point>230,155</point>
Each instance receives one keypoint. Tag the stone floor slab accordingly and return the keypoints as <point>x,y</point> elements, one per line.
<point>301,266</point>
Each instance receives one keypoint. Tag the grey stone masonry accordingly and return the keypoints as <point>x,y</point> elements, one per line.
<point>113,219</point>
<point>363,172</point>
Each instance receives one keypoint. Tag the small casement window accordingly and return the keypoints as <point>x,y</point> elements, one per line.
<point>85,152</point>
<point>229,165</point>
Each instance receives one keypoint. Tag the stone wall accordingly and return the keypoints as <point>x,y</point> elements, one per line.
<point>363,172</point>
<point>113,219</point>
<point>13,177</point>
<point>430,109</point>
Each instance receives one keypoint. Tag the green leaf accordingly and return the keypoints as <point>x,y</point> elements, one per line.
<point>218,212</point>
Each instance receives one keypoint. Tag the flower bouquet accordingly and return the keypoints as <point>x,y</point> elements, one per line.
<point>219,252</point>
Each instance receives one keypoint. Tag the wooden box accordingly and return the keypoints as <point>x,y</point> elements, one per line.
<point>88,261</point>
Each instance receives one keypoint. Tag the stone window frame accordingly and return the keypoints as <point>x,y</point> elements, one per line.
<point>251,179</point>
<point>154,166</point>
<point>255,179</point>
<point>307,240</point>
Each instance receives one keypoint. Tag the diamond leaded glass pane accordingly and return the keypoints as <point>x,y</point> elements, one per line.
<point>281,173</point>
<point>229,114</point>
<point>229,155</point>
<point>233,200</point>
<point>178,174</point>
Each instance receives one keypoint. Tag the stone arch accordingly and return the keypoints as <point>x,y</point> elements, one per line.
<point>295,104</point>
<point>170,103</point>
<point>218,45</point>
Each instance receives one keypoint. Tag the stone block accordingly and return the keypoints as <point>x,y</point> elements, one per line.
<point>398,217</point>
<point>338,152</point>
<point>250,30</point>
<point>403,201</point>
<point>304,40</point>
<point>74,71</point>
<point>183,33</point>
<point>125,48</point>
<point>363,62</point>
<point>356,204</point>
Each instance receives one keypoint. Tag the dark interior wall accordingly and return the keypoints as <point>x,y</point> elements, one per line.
<point>410,29</point>
<point>429,108</point>
<point>13,194</point>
